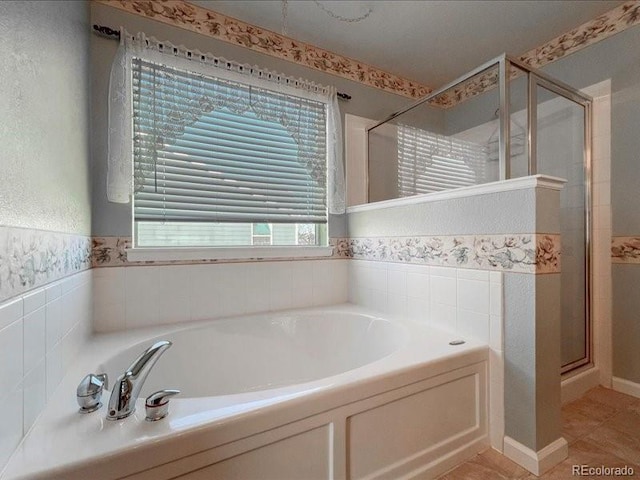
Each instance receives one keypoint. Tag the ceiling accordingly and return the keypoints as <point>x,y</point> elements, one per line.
<point>431,42</point>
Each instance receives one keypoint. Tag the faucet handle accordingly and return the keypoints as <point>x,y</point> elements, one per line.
<point>90,390</point>
<point>157,404</point>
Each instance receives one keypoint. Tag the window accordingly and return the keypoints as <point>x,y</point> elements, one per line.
<point>223,163</point>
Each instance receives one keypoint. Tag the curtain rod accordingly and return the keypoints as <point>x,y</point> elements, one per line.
<point>115,35</point>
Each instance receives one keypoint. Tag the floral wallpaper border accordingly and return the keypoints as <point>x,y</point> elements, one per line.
<point>522,253</point>
<point>221,27</point>
<point>526,253</point>
<point>227,29</point>
<point>625,250</point>
<point>32,258</point>
<point>609,23</point>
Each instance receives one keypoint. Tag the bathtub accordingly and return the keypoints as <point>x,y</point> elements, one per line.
<point>338,393</point>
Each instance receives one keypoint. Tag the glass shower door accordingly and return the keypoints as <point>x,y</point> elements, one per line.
<point>561,130</point>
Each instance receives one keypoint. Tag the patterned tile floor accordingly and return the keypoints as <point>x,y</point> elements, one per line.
<point>602,428</point>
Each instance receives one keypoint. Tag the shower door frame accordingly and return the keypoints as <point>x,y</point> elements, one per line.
<point>537,79</point>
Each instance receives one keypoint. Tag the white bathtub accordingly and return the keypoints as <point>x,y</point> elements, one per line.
<point>333,393</point>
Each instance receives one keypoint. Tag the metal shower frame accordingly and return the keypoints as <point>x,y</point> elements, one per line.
<point>535,78</point>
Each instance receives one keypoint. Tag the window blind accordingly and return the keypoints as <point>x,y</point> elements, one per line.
<point>428,162</point>
<point>212,150</point>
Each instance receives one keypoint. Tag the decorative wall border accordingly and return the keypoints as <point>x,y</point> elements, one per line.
<point>524,253</point>
<point>604,26</point>
<point>111,252</point>
<point>625,250</point>
<point>32,258</point>
<point>600,28</point>
<point>227,29</point>
<point>521,253</point>
<point>197,19</point>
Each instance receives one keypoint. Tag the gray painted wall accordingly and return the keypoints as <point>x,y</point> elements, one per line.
<point>44,137</point>
<point>626,324</point>
<point>115,219</point>
<point>532,359</point>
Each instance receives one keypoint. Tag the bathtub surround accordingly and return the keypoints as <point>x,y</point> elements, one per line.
<point>467,303</point>
<point>41,333</point>
<point>521,324</point>
<point>319,419</point>
<point>139,296</point>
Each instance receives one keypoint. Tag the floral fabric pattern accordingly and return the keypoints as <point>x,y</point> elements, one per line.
<point>32,258</point>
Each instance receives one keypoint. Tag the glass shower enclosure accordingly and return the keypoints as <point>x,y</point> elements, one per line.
<point>502,120</point>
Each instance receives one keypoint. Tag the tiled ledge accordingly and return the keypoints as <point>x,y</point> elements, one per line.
<point>625,250</point>
<point>521,183</point>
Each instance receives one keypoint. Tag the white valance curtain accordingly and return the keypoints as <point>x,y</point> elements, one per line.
<point>219,83</point>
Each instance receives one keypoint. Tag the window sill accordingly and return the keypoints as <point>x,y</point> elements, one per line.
<point>143,254</point>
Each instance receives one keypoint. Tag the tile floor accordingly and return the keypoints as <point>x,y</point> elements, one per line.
<point>602,428</point>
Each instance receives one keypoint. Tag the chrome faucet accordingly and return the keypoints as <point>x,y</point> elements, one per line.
<point>126,389</point>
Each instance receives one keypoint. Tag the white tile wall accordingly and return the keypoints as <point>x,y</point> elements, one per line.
<point>602,289</point>
<point>40,333</point>
<point>131,297</point>
<point>465,302</point>
<point>601,273</point>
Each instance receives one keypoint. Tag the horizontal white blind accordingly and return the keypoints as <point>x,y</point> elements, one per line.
<point>428,162</point>
<point>211,150</point>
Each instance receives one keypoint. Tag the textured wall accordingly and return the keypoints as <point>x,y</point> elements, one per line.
<point>44,154</point>
<point>504,212</point>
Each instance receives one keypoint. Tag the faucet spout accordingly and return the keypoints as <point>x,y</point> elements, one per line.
<point>127,387</point>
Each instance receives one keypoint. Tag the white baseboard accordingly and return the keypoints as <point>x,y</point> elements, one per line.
<point>573,387</point>
<point>625,386</point>
<point>536,462</point>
